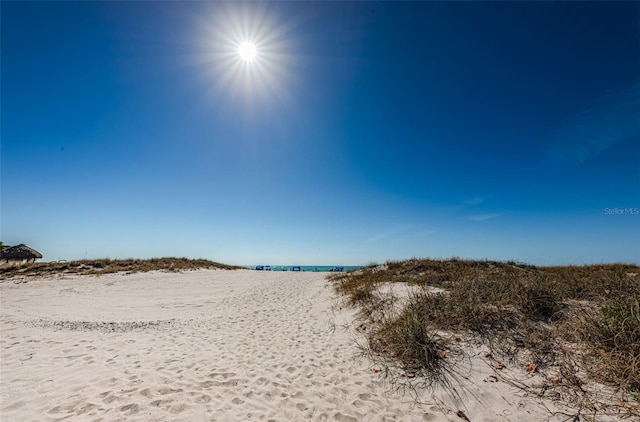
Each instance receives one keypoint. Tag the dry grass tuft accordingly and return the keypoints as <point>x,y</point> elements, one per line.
<point>107,266</point>
<point>575,319</point>
<point>613,333</point>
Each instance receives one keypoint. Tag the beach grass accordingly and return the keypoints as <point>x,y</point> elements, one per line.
<point>578,322</point>
<point>107,266</point>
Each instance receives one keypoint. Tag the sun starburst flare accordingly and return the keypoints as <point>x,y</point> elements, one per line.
<point>246,53</point>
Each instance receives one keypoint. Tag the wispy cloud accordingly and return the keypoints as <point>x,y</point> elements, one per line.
<point>389,233</point>
<point>598,127</point>
<point>473,201</point>
<point>467,203</point>
<point>483,217</point>
<point>380,236</point>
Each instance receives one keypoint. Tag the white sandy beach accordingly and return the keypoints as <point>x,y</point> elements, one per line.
<point>208,346</point>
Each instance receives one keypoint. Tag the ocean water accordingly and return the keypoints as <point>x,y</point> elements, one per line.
<point>308,268</point>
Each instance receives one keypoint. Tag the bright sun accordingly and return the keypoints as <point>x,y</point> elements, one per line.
<point>247,51</point>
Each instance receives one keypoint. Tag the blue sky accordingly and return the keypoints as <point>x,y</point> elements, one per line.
<point>362,132</point>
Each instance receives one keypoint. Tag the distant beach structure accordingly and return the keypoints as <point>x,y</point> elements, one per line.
<point>19,252</point>
<point>304,268</point>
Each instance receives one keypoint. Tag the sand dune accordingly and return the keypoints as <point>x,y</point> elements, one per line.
<point>207,346</point>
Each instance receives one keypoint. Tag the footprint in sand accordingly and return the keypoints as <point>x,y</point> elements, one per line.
<point>158,403</point>
<point>109,399</point>
<point>359,403</point>
<point>86,408</point>
<point>146,393</point>
<point>131,408</point>
<point>178,408</point>
<point>167,390</point>
<point>203,398</point>
<point>53,410</point>
<point>340,417</point>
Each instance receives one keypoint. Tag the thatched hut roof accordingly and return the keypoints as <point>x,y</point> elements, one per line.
<point>20,251</point>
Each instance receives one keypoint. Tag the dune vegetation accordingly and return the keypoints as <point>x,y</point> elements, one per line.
<point>569,324</point>
<point>106,266</point>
